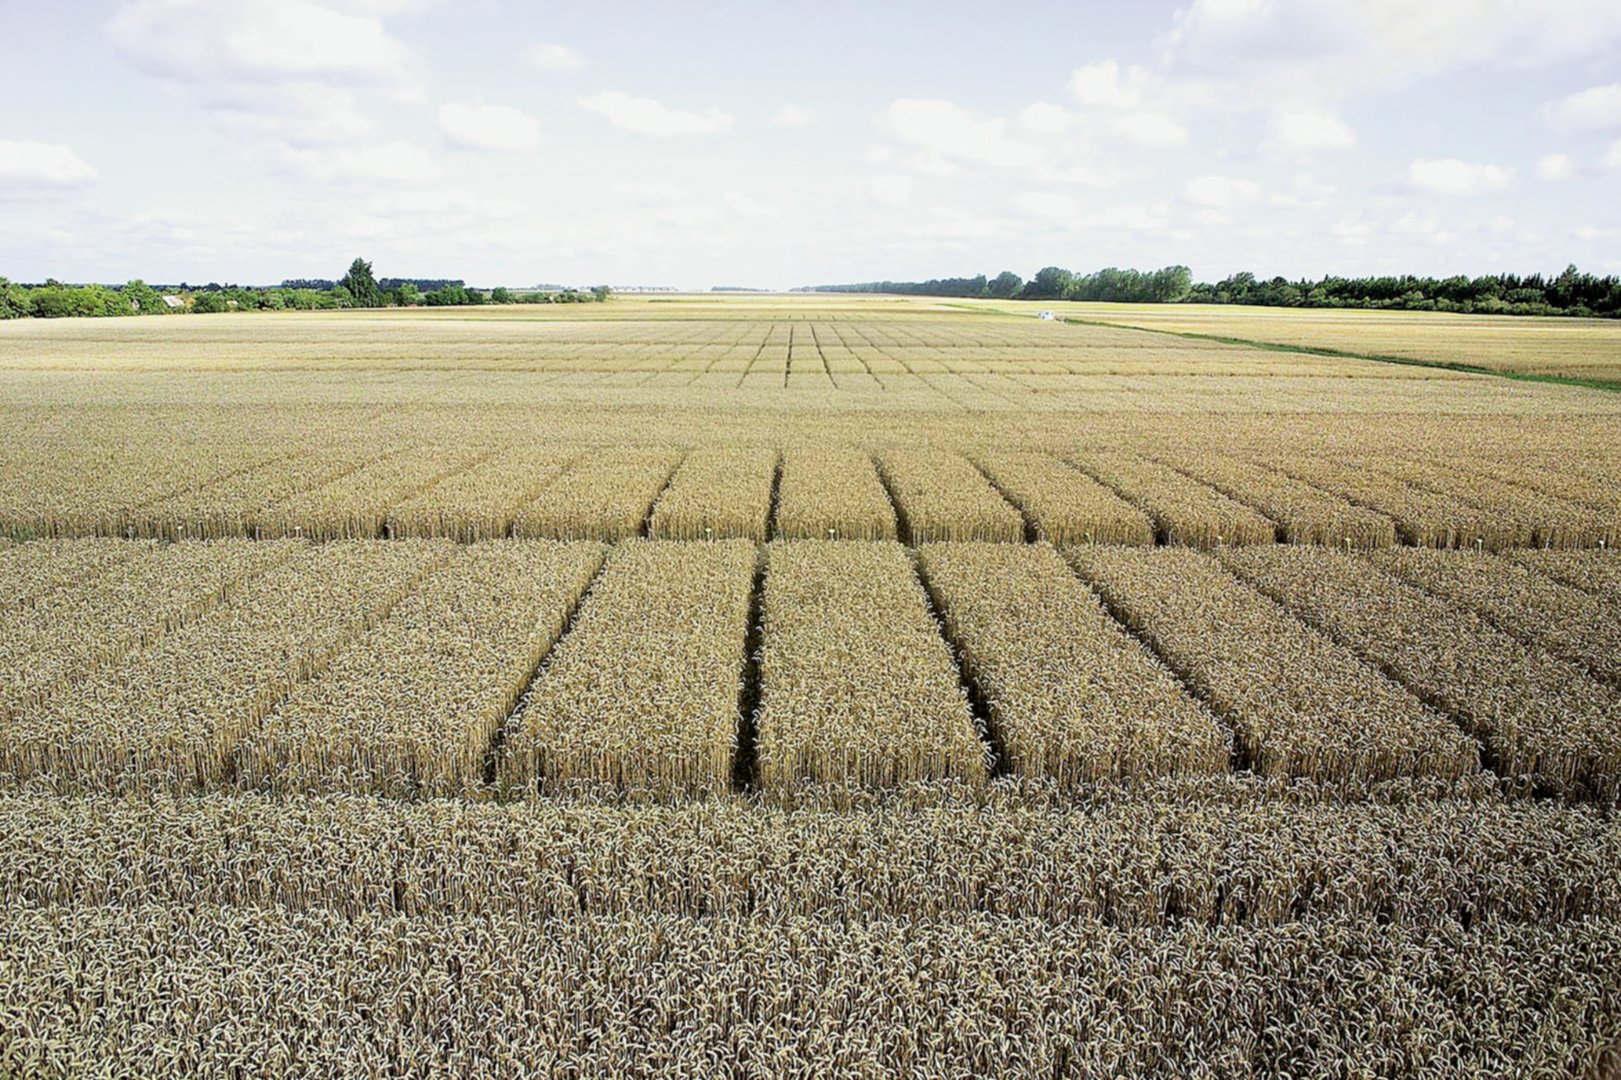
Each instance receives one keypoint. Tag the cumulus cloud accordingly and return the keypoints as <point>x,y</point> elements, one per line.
<point>550,56</point>
<point>1595,109</point>
<point>498,128</point>
<point>395,164</point>
<point>648,117</point>
<point>261,42</point>
<point>1449,176</point>
<point>1247,53</point>
<point>1221,192</point>
<point>1556,167</point>
<point>948,134</point>
<point>289,72</point>
<point>39,166</point>
<point>1106,85</point>
<point>1300,132</point>
<point>1151,129</point>
<point>792,116</point>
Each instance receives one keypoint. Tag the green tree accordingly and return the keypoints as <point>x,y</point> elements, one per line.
<point>1005,286</point>
<point>1050,283</point>
<point>601,292</point>
<point>500,295</point>
<point>144,298</point>
<point>362,285</point>
<point>209,303</point>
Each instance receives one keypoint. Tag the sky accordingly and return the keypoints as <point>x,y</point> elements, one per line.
<point>775,145</point>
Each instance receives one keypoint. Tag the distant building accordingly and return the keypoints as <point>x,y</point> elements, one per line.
<point>173,303</point>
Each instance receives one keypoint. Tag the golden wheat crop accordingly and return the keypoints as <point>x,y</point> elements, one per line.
<point>1071,696</point>
<point>941,496</point>
<point>642,695</point>
<point>170,716</point>
<point>1565,621</point>
<point>479,503</point>
<point>413,705</point>
<point>1543,722</point>
<point>1225,851</point>
<point>1183,510</point>
<point>1595,573</point>
<point>605,495</point>
<point>232,506</point>
<point>1065,505</point>
<point>355,506</point>
<point>69,634</point>
<point>32,571</point>
<point>832,493</point>
<point>1423,517</point>
<point>203,990</point>
<point>1305,514</point>
<point>717,493</point>
<point>1299,704</point>
<point>857,687</point>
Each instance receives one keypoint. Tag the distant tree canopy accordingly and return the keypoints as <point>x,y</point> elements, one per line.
<point>363,289</point>
<point>1569,293</point>
<point>357,288</point>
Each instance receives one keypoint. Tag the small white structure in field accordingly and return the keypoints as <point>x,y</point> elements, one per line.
<point>1046,316</point>
<point>173,303</point>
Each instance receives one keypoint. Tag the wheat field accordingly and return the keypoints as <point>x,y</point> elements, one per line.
<point>764,686</point>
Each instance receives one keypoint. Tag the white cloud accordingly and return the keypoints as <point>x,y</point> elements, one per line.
<point>1044,118</point>
<point>288,72</point>
<point>1308,194</point>
<point>477,126</point>
<point>1449,176</point>
<point>1045,204</point>
<point>31,166</point>
<point>261,42</point>
<point>1249,53</point>
<point>1350,233</point>
<point>1104,85</point>
<point>1067,211</point>
<point>1556,167</point>
<point>948,135</point>
<point>1298,132</point>
<point>891,189</point>
<point>1152,129</point>
<point>792,116</point>
<point>396,163</point>
<point>550,56</point>
<point>648,117</point>
<point>1612,158</point>
<point>1221,192</point>
<point>1595,109</point>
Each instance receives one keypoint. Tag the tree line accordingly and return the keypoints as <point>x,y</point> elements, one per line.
<point>1572,292</point>
<point>358,288</point>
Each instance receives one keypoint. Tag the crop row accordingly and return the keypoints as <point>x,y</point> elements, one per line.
<point>171,715</point>
<point>1071,695</point>
<point>1086,492</point>
<point>201,991</point>
<point>413,705</point>
<point>1300,704</point>
<point>1542,721</point>
<point>642,695</point>
<point>857,686</point>
<point>1221,852</point>
<point>392,666</point>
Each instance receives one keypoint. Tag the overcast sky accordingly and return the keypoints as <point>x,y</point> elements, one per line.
<point>775,145</point>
